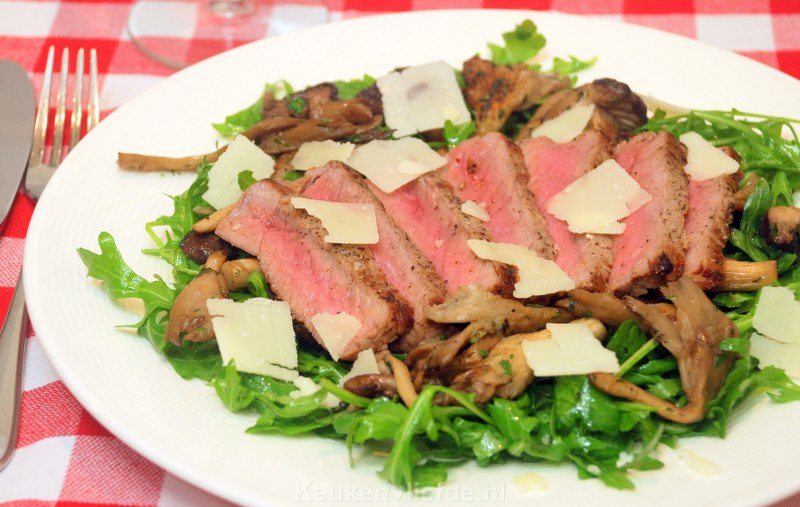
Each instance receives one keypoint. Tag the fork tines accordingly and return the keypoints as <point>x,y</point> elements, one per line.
<point>76,120</point>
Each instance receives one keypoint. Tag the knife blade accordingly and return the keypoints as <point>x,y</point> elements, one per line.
<point>17,108</point>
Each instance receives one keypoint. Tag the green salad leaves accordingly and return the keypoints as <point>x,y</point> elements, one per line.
<point>521,44</point>
<point>349,89</point>
<point>524,42</point>
<point>240,121</point>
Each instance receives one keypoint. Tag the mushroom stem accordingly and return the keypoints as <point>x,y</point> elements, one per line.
<point>402,378</point>
<point>210,223</point>
<point>747,276</point>
<point>237,272</point>
<point>747,188</point>
<point>216,260</point>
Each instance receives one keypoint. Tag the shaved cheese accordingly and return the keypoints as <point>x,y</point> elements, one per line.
<point>529,482</point>
<point>422,98</point>
<point>412,168</point>
<point>365,364</point>
<point>347,223</point>
<point>566,126</point>
<point>571,349</point>
<point>597,200</point>
<point>335,330</point>
<point>777,315</point>
<point>223,178</point>
<point>537,276</point>
<point>698,463</point>
<point>318,153</point>
<point>474,209</point>
<point>392,164</point>
<point>257,334</point>
<point>704,160</point>
<point>771,353</point>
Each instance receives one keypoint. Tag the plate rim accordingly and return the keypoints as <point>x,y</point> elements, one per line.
<point>84,394</point>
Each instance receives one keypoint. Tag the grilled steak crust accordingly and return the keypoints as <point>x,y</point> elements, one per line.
<point>428,210</point>
<point>650,252</point>
<point>618,110</point>
<point>707,226</point>
<point>406,269</point>
<point>551,167</point>
<point>311,275</point>
<point>496,91</point>
<point>490,171</point>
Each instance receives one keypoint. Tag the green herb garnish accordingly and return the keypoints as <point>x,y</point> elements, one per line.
<point>521,44</point>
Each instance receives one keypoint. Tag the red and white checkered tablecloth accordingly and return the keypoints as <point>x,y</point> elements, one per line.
<point>64,456</point>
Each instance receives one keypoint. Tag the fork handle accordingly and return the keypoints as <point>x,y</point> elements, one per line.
<point>12,348</point>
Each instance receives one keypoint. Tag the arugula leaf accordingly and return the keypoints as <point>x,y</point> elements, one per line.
<point>744,379</point>
<point>627,339</point>
<point>521,44</point>
<point>349,89</point>
<point>456,134</point>
<point>460,79</point>
<point>746,237</point>
<point>293,175</point>
<point>400,467</point>
<point>579,402</point>
<point>195,359</point>
<point>318,367</point>
<point>257,285</point>
<point>229,388</point>
<point>378,421</point>
<point>756,138</point>
<point>122,282</point>
<point>296,105</point>
<point>245,180</point>
<point>240,121</point>
<point>571,66</point>
<point>781,190</point>
<point>177,225</point>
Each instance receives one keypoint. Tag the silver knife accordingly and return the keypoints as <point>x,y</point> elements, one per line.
<point>17,106</point>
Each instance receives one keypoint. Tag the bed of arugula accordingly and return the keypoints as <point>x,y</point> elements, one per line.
<point>564,419</point>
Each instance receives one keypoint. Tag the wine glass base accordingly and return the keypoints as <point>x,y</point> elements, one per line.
<point>180,33</point>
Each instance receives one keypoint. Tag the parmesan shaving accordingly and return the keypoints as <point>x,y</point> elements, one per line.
<point>474,209</point>
<point>318,153</point>
<point>335,331</point>
<point>595,202</point>
<point>346,223</point>
<point>566,126</point>
<point>536,276</point>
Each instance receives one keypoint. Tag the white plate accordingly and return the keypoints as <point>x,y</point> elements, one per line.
<point>182,426</point>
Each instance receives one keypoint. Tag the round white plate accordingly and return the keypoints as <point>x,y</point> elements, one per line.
<point>183,427</point>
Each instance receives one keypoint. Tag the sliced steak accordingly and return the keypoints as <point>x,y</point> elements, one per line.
<point>650,252</point>
<point>708,224</point>
<point>490,171</point>
<point>428,210</point>
<point>496,91</point>
<point>552,166</point>
<point>311,275</point>
<point>407,270</point>
<point>618,110</point>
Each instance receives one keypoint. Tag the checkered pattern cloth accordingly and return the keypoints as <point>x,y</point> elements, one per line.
<point>64,456</point>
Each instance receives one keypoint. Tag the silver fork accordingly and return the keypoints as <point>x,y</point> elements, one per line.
<point>40,169</point>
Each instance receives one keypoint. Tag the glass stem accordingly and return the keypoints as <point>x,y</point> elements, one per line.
<point>231,9</point>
